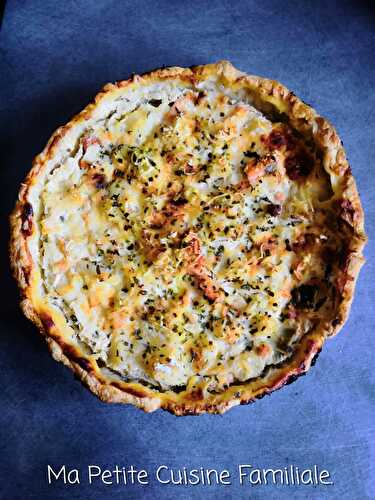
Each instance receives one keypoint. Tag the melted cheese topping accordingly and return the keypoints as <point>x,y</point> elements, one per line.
<point>182,237</point>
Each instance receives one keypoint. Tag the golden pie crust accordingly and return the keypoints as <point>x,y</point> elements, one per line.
<point>241,294</point>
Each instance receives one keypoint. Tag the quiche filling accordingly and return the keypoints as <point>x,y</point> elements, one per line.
<point>187,237</point>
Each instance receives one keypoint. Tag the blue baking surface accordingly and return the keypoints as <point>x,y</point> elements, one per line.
<point>54,57</point>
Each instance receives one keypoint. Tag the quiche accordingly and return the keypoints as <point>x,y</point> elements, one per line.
<point>189,240</point>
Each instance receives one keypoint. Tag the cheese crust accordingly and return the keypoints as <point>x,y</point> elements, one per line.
<point>189,240</point>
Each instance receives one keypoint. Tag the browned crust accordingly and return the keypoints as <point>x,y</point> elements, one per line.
<point>267,94</point>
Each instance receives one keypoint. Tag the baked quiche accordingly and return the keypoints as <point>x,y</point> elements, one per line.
<point>189,240</point>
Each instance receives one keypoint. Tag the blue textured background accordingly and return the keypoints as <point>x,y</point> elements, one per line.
<point>54,56</point>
